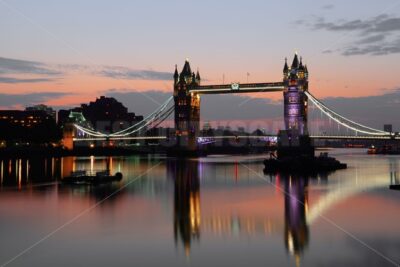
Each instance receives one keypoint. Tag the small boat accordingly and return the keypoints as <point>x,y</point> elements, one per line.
<point>84,177</point>
<point>395,186</point>
<point>385,150</point>
<point>371,150</point>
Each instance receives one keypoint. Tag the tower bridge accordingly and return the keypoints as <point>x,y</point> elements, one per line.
<point>185,103</point>
<point>188,91</point>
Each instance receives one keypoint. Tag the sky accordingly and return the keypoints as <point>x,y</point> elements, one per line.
<point>63,53</point>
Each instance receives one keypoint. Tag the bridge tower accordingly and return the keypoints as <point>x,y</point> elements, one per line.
<point>187,108</point>
<point>295,81</point>
<point>295,140</point>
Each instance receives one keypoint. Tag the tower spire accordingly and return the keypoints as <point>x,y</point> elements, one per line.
<point>198,75</point>
<point>301,66</point>
<point>295,63</point>
<point>286,67</point>
<point>176,74</point>
<point>186,71</point>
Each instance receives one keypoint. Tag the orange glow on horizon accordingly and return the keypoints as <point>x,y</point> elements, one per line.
<point>81,88</point>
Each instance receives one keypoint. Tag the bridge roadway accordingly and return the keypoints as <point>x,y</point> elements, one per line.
<point>165,137</point>
<point>321,137</point>
<point>239,88</point>
<point>349,137</point>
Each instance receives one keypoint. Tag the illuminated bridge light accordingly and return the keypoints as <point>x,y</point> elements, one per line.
<point>165,110</point>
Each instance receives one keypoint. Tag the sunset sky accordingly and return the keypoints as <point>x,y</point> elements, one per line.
<point>67,52</point>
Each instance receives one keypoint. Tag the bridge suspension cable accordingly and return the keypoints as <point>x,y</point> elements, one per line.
<point>155,118</point>
<point>349,124</point>
<point>159,111</point>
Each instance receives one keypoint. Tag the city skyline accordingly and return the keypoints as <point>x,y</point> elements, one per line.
<point>351,52</point>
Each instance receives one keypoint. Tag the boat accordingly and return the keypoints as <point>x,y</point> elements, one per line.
<point>395,186</point>
<point>385,150</point>
<point>89,178</point>
<point>307,164</point>
<point>372,150</point>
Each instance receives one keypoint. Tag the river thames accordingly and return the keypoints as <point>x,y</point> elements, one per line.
<point>214,211</point>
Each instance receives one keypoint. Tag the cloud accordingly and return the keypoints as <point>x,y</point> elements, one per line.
<point>38,72</point>
<point>378,24</point>
<point>329,6</point>
<point>234,106</point>
<point>43,72</point>
<point>130,74</point>
<point>373,111</point>
<point>372,39</point>
<point>385,48</point>
<point>376,36</point>
<point>12,100</point>
<point>17,80</point>
<point>16,66</point>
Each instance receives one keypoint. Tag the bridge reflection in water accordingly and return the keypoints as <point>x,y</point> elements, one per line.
<point>188,221</point>
<point>296,206</point>
<point>187,213</point>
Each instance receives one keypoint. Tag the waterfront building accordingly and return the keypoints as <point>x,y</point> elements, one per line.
<point>105,114</point>
<point>50,111</point>
<point>35,126</point>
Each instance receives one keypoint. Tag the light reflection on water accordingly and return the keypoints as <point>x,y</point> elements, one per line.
<point>212,211</point>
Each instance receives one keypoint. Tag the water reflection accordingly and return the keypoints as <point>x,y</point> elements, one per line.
<point>98,193</point>
<point>44,172</point>
<point>20,172</point>
<point>187,210</point>
<point>236,213</point>
<point>296,206</point>
<point>187,213</point>
<point>393,169</point>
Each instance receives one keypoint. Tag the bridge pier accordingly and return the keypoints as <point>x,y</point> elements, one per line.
<point>187,110</point>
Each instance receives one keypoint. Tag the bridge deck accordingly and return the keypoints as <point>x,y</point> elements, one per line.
<point>325,137</point>
<point>239,88</point>
<point>372,137</point>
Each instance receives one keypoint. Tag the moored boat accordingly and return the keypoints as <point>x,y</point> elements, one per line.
<point>385,150</point>
<point>322,163</point>
<point>84,177</point>
<point>395,186</point>
<point>372,150</point>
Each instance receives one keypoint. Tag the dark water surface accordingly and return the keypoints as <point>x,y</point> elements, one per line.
<point>215,211</point>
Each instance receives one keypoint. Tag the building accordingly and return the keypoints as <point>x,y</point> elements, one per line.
<point>106,114</point>
<point>26,119</point>
<point>50,111</point>
<point>35,126</point>
<point>388,128</point>
<point>187,107</point>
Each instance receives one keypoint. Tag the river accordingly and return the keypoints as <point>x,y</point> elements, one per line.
<point>214,211</point>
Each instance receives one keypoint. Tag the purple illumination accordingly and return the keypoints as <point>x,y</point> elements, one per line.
<point>205,140</point>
